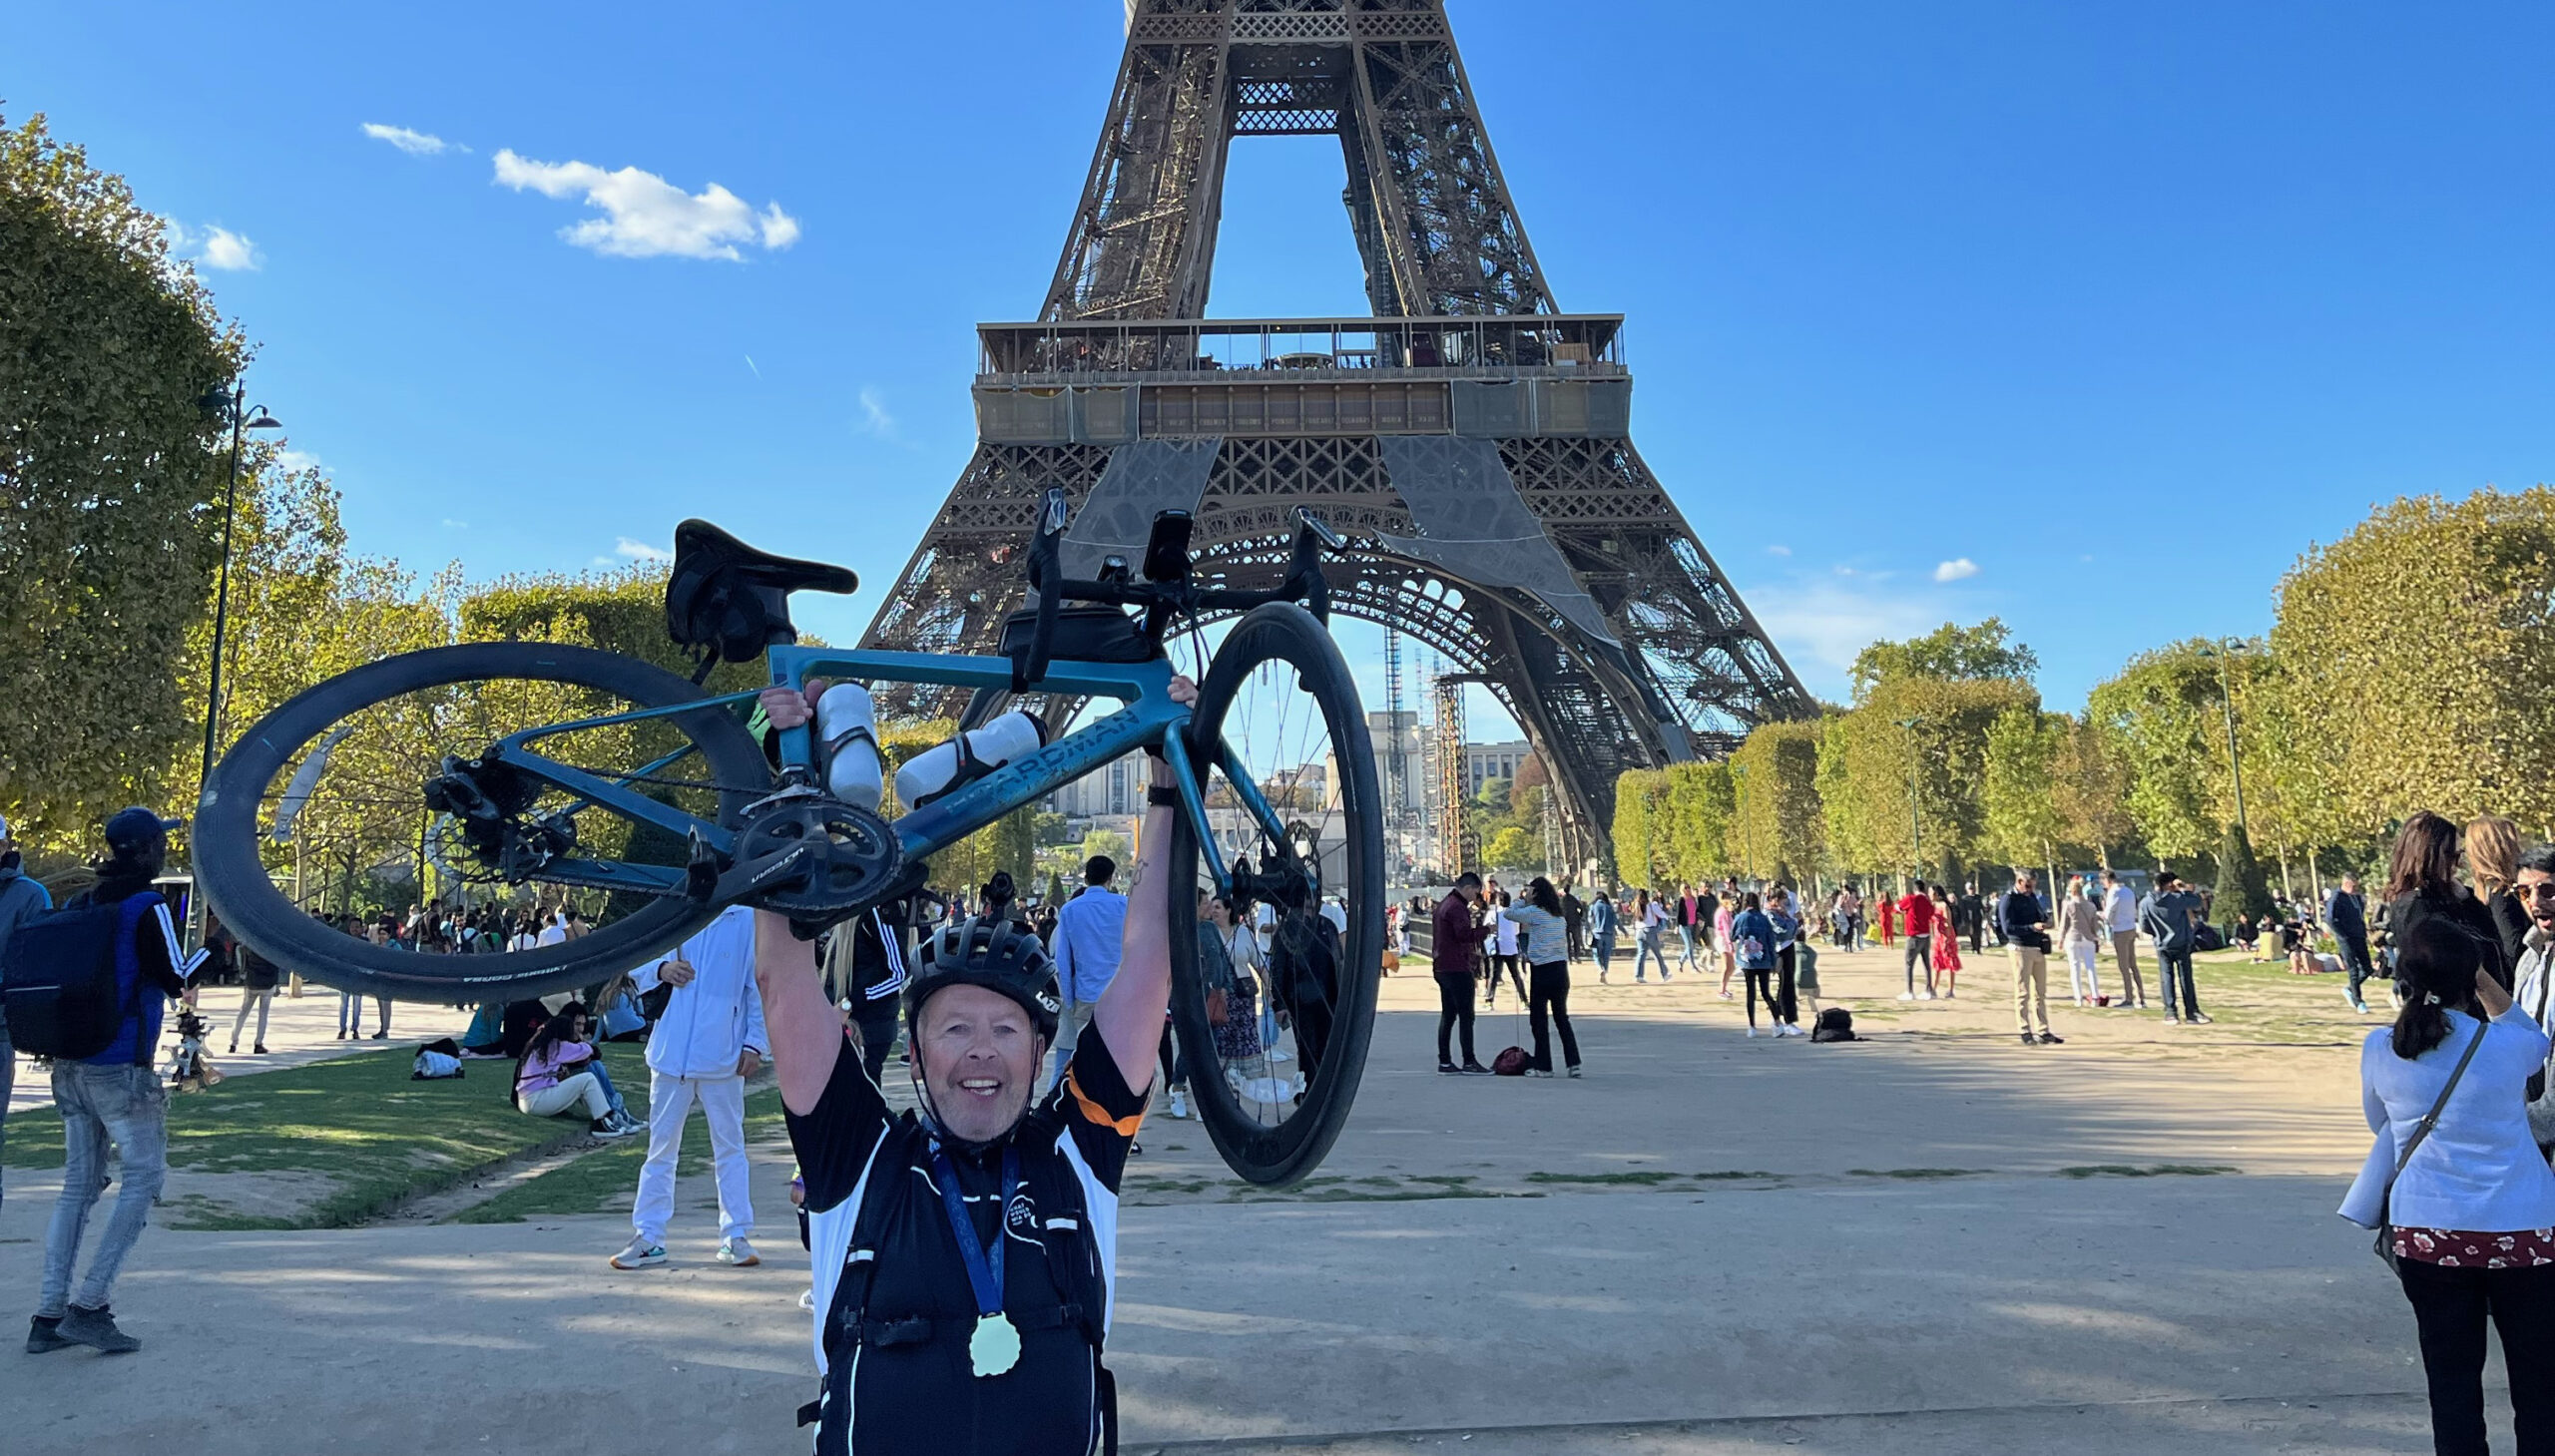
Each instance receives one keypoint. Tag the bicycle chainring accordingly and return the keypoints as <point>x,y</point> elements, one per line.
<point>826,858</point>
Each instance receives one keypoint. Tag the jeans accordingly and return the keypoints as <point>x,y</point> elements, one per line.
<point>351,1014</point>
<point>2450,1308</point>
<point>1454,1009</point>
<point>2168,963</point>
<point>126,1105</point>
<point>1687,961</point>
<point>2355,962</point>
<point>1605,953</point>
<point>611,1094</point>
<point>1644,950</point>
<point>1919,957</point>
<point>1551,996</point>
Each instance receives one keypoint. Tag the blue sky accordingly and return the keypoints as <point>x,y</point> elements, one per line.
<point>2118,306</point>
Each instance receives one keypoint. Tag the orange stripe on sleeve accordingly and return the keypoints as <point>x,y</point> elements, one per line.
<point>1124,1127</point>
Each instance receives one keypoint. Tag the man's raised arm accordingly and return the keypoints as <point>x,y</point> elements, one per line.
<point>805,1029</point>
<point>1130,1014</point>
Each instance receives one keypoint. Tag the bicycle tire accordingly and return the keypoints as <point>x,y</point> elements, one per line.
<point>1288,1151</point>
<point>232,875</point>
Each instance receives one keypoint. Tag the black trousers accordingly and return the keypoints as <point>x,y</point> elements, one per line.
<point>1454,1008</point>
<point>2171,963</point>
<point>2355,962</point>
<point>1774,982</point>
<point>1502,964</point>
<point>2450,1308</point>
<point>877,1022</point>
<point>1549,996</point>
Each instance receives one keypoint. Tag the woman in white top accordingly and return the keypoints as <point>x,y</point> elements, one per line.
<point>1650,921</point>
<point>2474,1206</point>
<point>1503,951</point>
<point>2080,929</point>
<point>1547,940</point>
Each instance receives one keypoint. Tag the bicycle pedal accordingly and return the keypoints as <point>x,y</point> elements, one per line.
<point>701,871</point>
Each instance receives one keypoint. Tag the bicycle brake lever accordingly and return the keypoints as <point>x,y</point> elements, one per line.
<point>1321,529</point>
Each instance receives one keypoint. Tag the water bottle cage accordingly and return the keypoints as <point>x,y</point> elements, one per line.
<point>969,769</point>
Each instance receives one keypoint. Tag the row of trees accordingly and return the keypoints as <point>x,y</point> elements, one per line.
<point>2402,671</point>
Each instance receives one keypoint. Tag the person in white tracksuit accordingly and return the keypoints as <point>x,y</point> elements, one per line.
<point>710,1040</point>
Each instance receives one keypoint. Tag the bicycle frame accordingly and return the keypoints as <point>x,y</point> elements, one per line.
<point>1149,718</point>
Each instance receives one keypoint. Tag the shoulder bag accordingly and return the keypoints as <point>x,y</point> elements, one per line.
<point>2385,1247</point>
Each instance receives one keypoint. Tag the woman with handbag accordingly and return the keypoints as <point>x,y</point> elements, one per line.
<point>2463,1203</point>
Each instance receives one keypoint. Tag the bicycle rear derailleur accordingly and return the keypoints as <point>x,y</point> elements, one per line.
<point>802,853</point>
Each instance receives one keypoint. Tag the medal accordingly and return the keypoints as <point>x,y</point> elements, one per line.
<point>995,1347</point>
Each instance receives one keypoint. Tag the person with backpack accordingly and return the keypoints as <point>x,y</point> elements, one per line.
<point>2169,916</point>
<point>1751,950</point>
<point>112,1094</point>
<point>965,1254</point>
<point>21,900</point>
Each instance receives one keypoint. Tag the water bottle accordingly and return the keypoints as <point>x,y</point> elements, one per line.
<point>848,725</point>
<point>929,776</point>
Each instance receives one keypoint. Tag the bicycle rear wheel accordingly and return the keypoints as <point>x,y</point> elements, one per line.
<point>321,809</point>
<point>1275,1054</point>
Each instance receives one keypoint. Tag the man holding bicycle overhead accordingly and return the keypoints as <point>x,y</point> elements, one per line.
<point>965,1257</point>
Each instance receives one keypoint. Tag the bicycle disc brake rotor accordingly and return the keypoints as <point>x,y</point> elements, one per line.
<point>826,857</point>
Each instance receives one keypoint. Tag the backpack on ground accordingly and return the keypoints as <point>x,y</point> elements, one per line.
<point>58,978</point>
<point>1510,1063</point>
<point>1835,1024</point>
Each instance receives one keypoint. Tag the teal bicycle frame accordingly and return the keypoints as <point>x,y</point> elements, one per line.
<point>1150,718</point>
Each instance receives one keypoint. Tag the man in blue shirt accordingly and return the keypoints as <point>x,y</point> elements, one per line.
<point>21,900</point>
<point>1090,931</point>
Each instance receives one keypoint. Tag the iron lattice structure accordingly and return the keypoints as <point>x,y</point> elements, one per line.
<point>1456,849</point>
<point>1471,436</point>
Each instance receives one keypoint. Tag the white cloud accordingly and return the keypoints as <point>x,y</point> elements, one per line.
<point>416,144</point>
<point>1958,569</point>
<point>215,248</point>
<point>299,460</point>
<point>453,525</point>
<point>639,551</point>
<point>1778,550</point>
<point>644,216</point>
<point>874,418</point>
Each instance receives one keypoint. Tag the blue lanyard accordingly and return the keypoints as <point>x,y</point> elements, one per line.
<point>984,1272</point>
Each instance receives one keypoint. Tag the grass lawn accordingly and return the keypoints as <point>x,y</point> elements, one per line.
<point>361,1134</point>
<point>597,1182</point>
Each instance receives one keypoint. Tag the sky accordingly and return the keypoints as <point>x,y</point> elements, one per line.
<point>2093,316</point>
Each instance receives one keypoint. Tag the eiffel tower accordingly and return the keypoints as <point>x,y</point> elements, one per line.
<point>1469,435</point>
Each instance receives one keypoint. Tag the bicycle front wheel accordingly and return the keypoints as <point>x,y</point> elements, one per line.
<point>1274,1014</point>
<point>317,822</point>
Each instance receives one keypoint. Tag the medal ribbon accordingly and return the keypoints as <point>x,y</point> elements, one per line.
<point>984,1270</point>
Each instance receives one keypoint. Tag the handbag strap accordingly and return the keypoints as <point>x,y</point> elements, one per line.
<point>2430,1119</point>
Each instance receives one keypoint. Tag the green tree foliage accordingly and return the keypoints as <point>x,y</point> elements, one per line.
<point>1780,824</point>
<point>112,472</point>
<point>2420,648</point>
<point>1950,653</point>
<point>1512,848</point>
<point>1701,805</point>
<point>1105,842</point>
<point>2025,822</point>
<point>2092,794</point>
<point>2241,887</point>
<point>1866,766</point>
<point>2162,721</point>
<point>1642,828</point>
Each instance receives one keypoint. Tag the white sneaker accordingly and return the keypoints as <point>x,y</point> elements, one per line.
<point>739,1253</point>
<point>638,1253</point>
<point>1752,1030</point>
<point>1925,995</point>
<point>1179,1103</point>
<point>1906,995</point>
<point>807,1300</point>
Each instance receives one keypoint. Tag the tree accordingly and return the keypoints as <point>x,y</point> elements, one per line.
<point>1511,849</point>
<point>1780,823</point>
<point>2419,647</point>
<point>1933,729</point>
<point>2091,792</point>
<point>1950,653</point>
<point>2162,721</point>
<point>2024,819</point>
<point>1702,801</point>
<point>1640,831</point>
<point>2240,888</point>
<point>1105,841</point>
<point>112,471</point>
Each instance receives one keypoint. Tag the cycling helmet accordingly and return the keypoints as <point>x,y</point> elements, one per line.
<point>996,953</point>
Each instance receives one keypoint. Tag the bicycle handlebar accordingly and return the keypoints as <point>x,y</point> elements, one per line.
<point>1161,600</point>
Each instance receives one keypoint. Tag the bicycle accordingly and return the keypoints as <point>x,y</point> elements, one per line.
<point>572,772</point>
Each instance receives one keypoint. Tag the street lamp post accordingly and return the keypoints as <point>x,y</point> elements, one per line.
<point>235,401</point>
<point>1915,827</point>
<point>2220,649</point>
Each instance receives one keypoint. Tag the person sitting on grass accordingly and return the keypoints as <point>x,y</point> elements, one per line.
<point>560,1071</point>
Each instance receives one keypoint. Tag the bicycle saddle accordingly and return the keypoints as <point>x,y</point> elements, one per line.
<point>725,595</point>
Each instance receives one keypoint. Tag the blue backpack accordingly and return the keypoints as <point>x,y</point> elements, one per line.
<point>58,978</point>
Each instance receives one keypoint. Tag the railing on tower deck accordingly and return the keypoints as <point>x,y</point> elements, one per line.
<point>1550,345</point>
